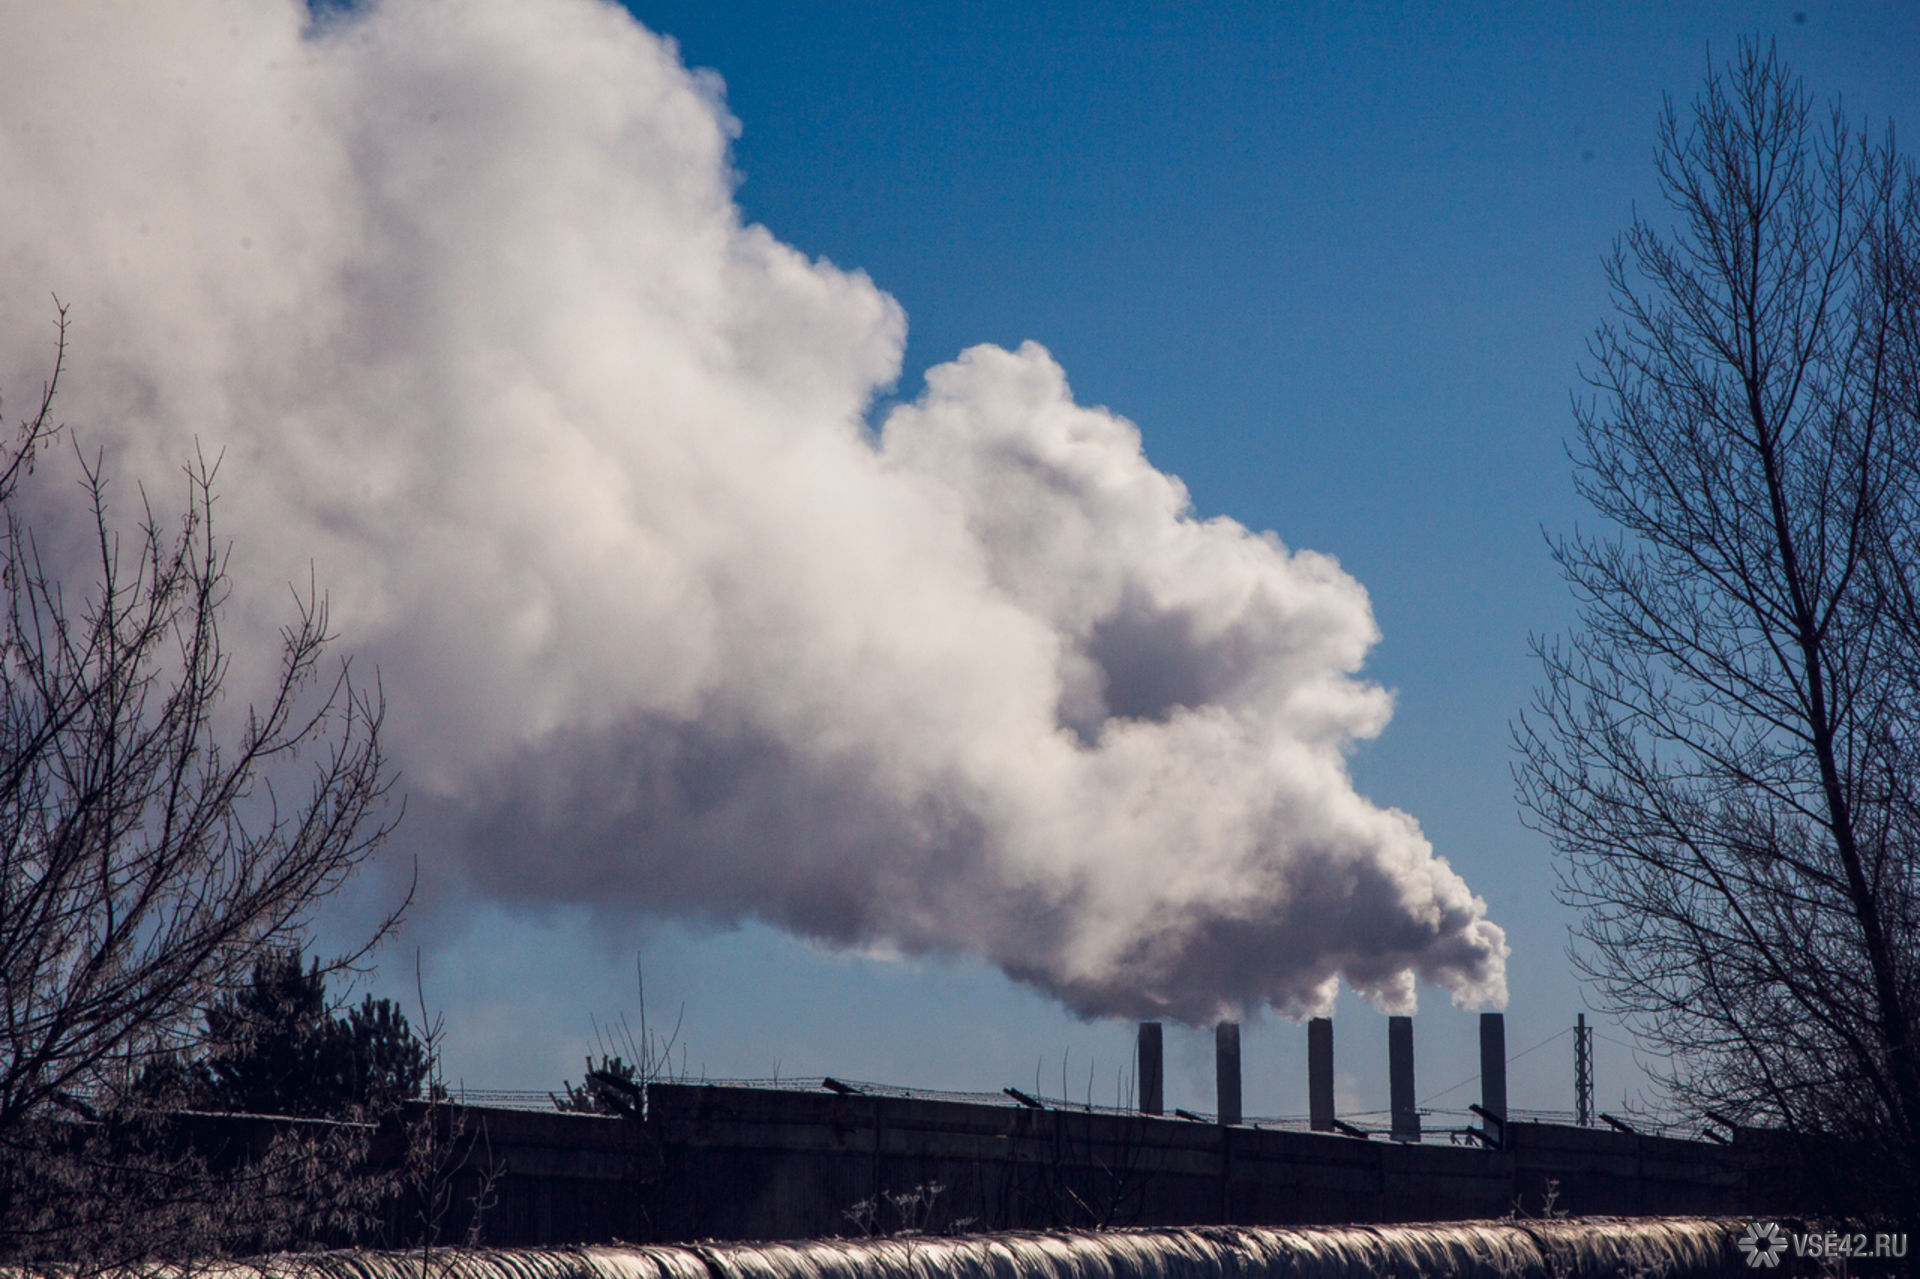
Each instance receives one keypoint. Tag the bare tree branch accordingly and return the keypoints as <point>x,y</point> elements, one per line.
<point>1725,755</point>
<point>151,851</point>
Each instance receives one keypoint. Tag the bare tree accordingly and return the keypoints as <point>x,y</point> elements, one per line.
<point>1727,753</point>
<point>150,852</point>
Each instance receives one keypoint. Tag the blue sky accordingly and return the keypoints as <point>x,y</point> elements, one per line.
<point>1338,262</point>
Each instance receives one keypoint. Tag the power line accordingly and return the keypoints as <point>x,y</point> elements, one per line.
<point>1432,1097</point>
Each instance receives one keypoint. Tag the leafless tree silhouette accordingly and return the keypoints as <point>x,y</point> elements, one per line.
<point>1727,753</point>
<point>149,850</point>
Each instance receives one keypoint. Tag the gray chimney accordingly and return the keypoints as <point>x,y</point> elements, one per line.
<point>1226,1070</point>
<point>1493,1069</point>
<point>1320,1074</point>
<point>1406,1120</point>
<point>1152,1095</point>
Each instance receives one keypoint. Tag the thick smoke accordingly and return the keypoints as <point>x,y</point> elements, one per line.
<point>459,294</point>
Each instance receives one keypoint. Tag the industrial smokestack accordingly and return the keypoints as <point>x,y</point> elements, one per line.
<point>1493,1066</point>
<point>1320,1074</point>
<point>1152,1096</point>
<point>1226,1070</point>
<point>1406,1120</point>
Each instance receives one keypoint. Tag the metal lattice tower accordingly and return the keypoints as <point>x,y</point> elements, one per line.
<point>1583,1072</point>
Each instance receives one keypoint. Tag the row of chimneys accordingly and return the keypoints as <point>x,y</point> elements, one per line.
<point>1406,1119</point>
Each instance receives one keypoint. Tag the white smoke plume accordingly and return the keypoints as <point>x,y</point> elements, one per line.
<point>460,295</point>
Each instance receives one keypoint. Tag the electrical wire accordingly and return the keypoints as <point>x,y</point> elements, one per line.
<point>1433,1097</point>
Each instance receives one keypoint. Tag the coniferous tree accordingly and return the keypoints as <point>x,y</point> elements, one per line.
<point>283,1051</point>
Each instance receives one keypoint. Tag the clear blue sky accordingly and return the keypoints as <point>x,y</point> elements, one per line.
<point>1339,262</point>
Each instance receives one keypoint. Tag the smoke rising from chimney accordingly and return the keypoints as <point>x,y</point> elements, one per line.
<point>460,294</point>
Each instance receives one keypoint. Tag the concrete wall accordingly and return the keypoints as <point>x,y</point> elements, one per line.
<point>740,1163</point>
<point>542,1178</point>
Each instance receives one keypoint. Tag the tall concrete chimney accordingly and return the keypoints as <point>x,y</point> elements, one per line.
<point>1152,1095</point>
<point>1493,1068</point>
<point>1226,1070</point>
<point>1320,1074</point>
<point>1406,1120</point>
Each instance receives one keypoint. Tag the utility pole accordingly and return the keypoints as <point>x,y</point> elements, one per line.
<point>1583,1072</point>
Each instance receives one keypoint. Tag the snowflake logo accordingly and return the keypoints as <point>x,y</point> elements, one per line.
<point>1763,1244</point>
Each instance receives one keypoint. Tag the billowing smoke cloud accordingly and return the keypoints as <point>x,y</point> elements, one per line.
<point>460,294</point>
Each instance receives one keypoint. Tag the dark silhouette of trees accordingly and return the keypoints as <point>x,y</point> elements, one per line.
<point>155,844</point>
<point>276,1047</point>
<point>614,1087</point>
<point>1726,754</point>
